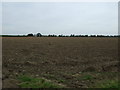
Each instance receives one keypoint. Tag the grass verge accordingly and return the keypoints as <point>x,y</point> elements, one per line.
<point>30,82</point>
<point>109,84</point>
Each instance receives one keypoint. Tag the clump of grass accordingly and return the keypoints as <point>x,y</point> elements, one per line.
<point>30,82</point>
<point>109,84</point>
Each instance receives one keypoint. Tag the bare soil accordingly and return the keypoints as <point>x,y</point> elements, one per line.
<point>62,60</point>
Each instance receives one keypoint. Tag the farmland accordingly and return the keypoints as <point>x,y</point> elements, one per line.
<point>69,62</point>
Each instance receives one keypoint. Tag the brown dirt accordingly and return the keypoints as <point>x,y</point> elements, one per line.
<point>62,60</point>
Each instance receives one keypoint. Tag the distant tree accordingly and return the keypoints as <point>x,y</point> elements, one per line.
<point>60,35</point>
<point>72,35</point>
<point>86,35</point>
<point>92,35</point>
<point>82,35</point>
<point>116,36</point>
<point>100,36</point>
<point>49,35</point>
<point>39,35</point>
<point>30,34</point>
<point>52,35</point>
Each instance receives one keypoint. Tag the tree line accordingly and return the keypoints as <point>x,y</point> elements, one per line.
<point>61,35</point>
<point>72,35</point>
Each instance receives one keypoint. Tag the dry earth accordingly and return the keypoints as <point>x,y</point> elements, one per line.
<point>63,60</point>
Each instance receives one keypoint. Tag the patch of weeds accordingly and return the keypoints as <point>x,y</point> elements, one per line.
<point>53,77</point>
<point>30,82</point>
<point>87,77</point>
<point>61,81</point>
<point>109,84</point>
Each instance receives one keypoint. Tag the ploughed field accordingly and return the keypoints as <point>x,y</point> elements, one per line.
<point>69,62</point>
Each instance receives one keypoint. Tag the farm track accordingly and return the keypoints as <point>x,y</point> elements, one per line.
<point>63,60</point>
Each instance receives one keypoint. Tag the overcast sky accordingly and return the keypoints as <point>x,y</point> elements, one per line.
<point>60,18</point>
